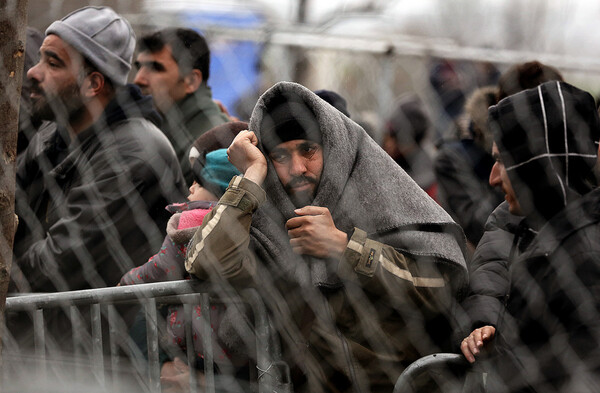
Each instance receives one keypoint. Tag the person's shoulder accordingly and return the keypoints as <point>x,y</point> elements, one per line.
<point>577,224</point>
<point>141,144</point>
<point>201,108</point>
<point>140,133</point>
<point>206,117</point>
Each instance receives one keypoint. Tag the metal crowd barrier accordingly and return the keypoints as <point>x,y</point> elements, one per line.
<point>450,372</point>
<point>271,373</point>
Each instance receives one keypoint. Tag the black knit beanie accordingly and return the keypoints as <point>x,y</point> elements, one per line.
<point>287,117</point>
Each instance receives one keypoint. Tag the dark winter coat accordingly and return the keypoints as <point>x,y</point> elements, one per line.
<point>549,335</point>
<point>488,270</point>
<point>92,208</point>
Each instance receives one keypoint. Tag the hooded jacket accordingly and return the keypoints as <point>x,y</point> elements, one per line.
<point>549,334</point>
<point>352,324</point>
<point>92,208</point>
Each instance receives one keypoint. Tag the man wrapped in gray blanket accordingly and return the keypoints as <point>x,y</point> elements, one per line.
<point>358,267</point>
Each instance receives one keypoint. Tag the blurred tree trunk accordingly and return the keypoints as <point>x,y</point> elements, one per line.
<point>13,24</point>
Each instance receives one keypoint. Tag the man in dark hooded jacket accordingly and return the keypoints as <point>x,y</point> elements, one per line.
<point>548,338</point>
<point>488,278</point>
<point>356,264</point>
<point>92,186</point>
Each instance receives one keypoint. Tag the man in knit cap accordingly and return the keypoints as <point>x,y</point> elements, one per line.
<point>173,66</point>
<point>357,270</point>
<point>92,185</point>
<point>548,339</point>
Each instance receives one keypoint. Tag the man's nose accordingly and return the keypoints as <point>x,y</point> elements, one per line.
<point>34,73</point>
<point>495,176</point>
<point>140,78</point>
<point>297,165</point>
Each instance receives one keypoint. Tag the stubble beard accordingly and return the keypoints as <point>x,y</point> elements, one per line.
<point>64,107</point>
<point>304,197</point>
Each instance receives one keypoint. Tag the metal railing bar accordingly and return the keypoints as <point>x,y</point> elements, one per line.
<point>128,293</point>
<point>191,292</point>
<point>40,342</point>
<point>98,356</point>
<point>264,362</point>
<point>113,335</point>
<point>189,342</point>
<point>77,328</point>
<point>404,384</point>
<point>209,371</point>
<point>152,337</point>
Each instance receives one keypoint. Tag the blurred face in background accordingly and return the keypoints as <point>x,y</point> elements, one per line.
<point>158,75</point>
<point>499,178</point>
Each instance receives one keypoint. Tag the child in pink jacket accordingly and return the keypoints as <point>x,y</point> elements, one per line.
<point>212,173</point>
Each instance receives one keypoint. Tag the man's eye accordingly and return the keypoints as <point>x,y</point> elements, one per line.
<point>279,157</point>
<point>309,151</point>
<point>155,66</point>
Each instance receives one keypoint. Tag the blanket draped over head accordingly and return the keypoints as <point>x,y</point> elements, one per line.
<point>547,138</point>
<point>362,187</point>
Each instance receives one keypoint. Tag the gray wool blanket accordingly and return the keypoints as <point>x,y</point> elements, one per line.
<point>362,187</point>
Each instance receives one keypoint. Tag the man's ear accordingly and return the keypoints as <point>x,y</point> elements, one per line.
<point>93,84</point>
<point>193,80</point>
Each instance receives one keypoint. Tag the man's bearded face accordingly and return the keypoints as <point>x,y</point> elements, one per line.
<point>56,81</point>
<point>299,165</point>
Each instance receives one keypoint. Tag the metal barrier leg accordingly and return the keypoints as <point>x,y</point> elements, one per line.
<point>191,355</point>
<point>152,328</point>
<point>114,346</point>
<point>77,326</point>
<point>40,343</point>
<point>273,374</point>
<point>207,341</point>
<point>98,355</point>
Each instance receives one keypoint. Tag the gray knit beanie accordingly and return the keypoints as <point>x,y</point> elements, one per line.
<point>102,36</point>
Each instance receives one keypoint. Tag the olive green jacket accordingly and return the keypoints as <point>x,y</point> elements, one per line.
<point>354,335</point>
<point>187,120</point>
